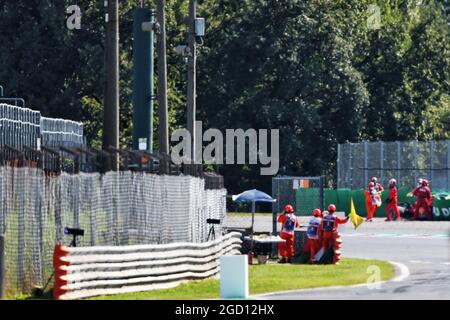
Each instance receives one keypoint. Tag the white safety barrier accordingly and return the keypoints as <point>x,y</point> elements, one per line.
<point>92,271</point>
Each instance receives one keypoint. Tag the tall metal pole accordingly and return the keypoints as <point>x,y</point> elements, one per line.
<point>143,90</point>
<point>111,103</point>
<point>162,79</point>
<point>192,62</point>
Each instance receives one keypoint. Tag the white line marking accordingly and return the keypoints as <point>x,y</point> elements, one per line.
<point>396,235</point>
<point>420,261</point>
<point>404,273</point>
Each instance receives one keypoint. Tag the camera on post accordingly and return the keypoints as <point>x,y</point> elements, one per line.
<point>212,231</point>
<point>74,232</point>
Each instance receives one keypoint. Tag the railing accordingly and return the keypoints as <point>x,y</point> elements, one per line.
<point>82,159</point>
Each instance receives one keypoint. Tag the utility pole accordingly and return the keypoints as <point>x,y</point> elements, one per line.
<point>192,62</point>
<point>143,89</point>
<point>162,78</point>
<point>111,100</point>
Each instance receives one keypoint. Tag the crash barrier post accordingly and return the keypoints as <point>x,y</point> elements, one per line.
<point>2,266</point>
<point>91,271</point>
<point>234,277</point>
<point>60,263</point>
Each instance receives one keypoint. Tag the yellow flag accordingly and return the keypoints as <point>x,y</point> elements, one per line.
<point>354,217</point>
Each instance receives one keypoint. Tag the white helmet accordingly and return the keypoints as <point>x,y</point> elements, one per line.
<point>392,182</point>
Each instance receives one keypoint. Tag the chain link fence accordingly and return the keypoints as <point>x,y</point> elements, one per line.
<point>116,208</point>
<point>406,161</point>
<point>291,190</point>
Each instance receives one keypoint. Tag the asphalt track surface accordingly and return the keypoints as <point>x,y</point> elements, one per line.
<point>420,252</point>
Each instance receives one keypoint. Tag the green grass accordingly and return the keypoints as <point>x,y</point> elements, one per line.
<point>270,278</point>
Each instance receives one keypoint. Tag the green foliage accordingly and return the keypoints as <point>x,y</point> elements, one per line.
<point>316,71</point>
<point>312,69</point>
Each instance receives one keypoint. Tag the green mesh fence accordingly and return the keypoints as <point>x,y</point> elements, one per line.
<point>342,197</point>
<point>307,200</point>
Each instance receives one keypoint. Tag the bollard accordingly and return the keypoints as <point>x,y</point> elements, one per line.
<point>2,267</point>
<point>234,277</point>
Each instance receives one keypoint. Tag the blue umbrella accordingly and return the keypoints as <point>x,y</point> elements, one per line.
<point>253,196</point>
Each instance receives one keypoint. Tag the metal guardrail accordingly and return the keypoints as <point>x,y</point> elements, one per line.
<point>15,100</point>
<point>92,271</point>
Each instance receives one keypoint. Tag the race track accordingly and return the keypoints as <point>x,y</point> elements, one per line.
<point>421,251</point>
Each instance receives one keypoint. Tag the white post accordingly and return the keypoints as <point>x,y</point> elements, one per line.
<point>234,277</point>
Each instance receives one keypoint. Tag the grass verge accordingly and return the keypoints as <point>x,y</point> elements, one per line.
<point>270,278</point>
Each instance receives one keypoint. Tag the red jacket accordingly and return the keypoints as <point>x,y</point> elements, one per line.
<point>372,196</point>
<point>330,222</point>
<point>393,195</point>
<point>314,230</point>
<point>423,193</point>
<point>288,223</point>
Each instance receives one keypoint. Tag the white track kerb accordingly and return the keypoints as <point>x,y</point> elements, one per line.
<point>93,271</point>
<point>402,272</point>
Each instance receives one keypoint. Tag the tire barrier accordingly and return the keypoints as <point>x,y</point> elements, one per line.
<point>92,271</point>
<point>337,248</point>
